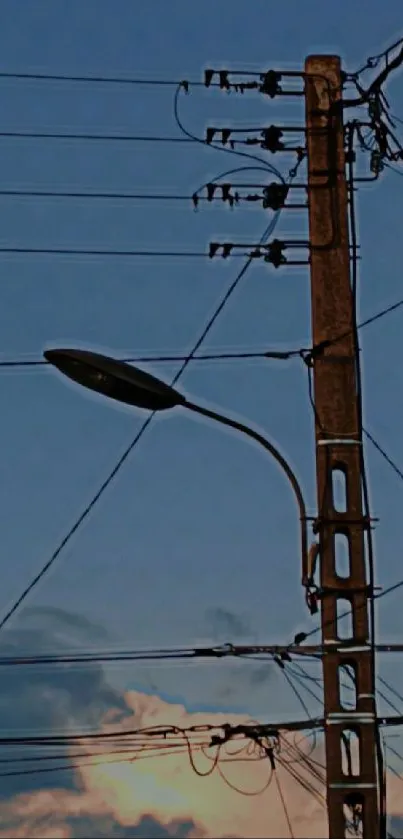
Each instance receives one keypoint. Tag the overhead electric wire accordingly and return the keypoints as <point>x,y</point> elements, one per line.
<point>66,756</point>
<point>140,196</point>
<point>266,167</point>
<point>158,654</point>
<point>56,251</point>
<point>393,169</point>
<point>299,679</point>
<point>128,80</point>
<point>138,737</point>
<point>311,766</point>
<point>373,60</point>
<point>396,753</point>
<point>302,636</point>
<point>284,805</point>
<point>377,83</point>
<point>381,313</point>
<point>147,196</point>
<point>239,790</point>
<point>108,138</point>
<point>193,138</point>
<point>159,359</point>
<point>152,734</point>
<point>168,358</point>
<point>273,354</point>
<point>387,700</point>
<point>72,765</point>
<point>296,693</point>
<point>43,193</point>
<point>100,79</point>
<point>301,700</point>
<point>120,196</point>
<point>258,653</point>
<point>303,782</point>
<point>298,756</point>
<point>383,453</point>
<point>142,753</point>
<point>267,653</point>
<point>304,760</point>
<point>391,689</point>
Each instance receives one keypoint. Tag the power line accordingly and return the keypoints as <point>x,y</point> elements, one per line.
<point>71,767</point>
<point>223,83</point>
<point>391,689</point>
<point>303,782</point>
<point>43,193</point>
<point>272,354</point>
<point>373,60</point>
<point>155,734</point>
<point>392,308</point>
<point>367,322</point>
<point>140,746</point>
<point>302,636</point>
<point>384,454</point>
<point>118,80</point>
<point>195,199</point>
<point>194,139</point>
<point>284,805</point>
<point>109,138</point>
<point>376,84</point>
<point>159,359</point>
<point>393,169</point>
<point>145,751</point>
<point>158,734</point>
<point>263,652</point>
<point>114,253</point>
<point>121,196</point>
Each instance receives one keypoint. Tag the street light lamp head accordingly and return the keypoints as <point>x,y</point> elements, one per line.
<point>115,379</point>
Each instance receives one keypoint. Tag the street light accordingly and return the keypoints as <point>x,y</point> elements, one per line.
<point>125,383</point>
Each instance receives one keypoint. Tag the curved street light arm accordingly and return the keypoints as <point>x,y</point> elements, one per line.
<point>266,444</point>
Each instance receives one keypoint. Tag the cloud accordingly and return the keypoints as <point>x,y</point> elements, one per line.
<point>105,828</point>
<point>62,621</point>
<point>168,788</point>
<point>227,626</point>
<point>66,815</point>
<point>154,795</point>
<point>56,697</point>
<point>158,796</point>
<point>47,700</point>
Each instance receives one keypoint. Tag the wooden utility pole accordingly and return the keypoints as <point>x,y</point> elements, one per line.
<point>352,780</point>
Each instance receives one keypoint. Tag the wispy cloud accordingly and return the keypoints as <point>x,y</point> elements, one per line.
<point>225,625</point>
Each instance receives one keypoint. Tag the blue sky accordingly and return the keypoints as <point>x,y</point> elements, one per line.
<point>200,527</point>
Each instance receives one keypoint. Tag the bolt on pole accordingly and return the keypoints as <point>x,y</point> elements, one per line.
<point>352,776</point>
